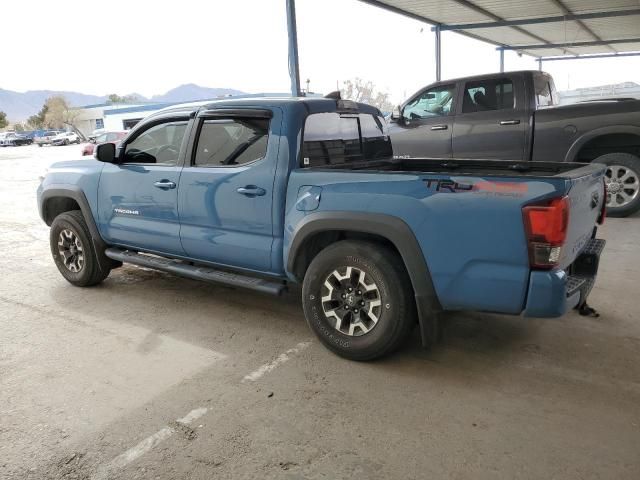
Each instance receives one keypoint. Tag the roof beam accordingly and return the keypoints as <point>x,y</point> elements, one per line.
<point>594,43</point>
<point>566,11</point>
<point>538,20</point>
<point>587,57</point>
<point>420,18</point>
<point>487,13</point>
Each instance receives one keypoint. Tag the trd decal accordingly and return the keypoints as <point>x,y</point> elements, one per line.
<point>486,187</point>
<point>447,185</point>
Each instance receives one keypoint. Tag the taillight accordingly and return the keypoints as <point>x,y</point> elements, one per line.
<point>546,227</point>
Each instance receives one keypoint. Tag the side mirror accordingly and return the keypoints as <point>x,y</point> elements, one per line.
<point>396,113</point>
<point>106,152</point>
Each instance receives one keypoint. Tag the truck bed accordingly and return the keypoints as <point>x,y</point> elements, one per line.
<point>503,168</point>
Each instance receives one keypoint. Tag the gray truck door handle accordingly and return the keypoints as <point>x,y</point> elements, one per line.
<point>509,122</point>
<point>251,191</point>
<point>165,184</point>
<point>439,127</point>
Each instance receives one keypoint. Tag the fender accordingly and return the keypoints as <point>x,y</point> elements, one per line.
<point>400,235</point>
<point>577,145</point>
<point>75,193</point>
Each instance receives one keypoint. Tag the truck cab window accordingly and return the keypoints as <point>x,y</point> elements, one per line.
<point>230,142</point>
<point>435,102</point>
<point>544,91</point>
<point>159,144</point>
<point>485,95</point>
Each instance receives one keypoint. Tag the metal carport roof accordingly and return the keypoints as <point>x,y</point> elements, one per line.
<point>545,29</point>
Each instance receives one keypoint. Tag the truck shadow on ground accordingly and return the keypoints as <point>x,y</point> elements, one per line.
<point>217,317</point>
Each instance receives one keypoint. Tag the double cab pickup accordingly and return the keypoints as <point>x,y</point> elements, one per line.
<point>263,193</point>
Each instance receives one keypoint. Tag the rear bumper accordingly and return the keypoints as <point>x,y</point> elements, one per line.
<point>553,293</point>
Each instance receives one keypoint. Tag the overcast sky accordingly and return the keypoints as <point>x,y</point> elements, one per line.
<point>149,47</point>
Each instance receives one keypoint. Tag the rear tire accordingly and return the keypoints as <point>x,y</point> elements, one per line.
<point>73,251</point>
<point>623,183</point>
<point>368,309</point>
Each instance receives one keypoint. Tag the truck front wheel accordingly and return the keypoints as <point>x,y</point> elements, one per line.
<point>73,251</point>
<point>358,299</point>
<point>623,183</point>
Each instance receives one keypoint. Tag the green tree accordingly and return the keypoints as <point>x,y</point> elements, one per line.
<point>115,98</point>
<point>37,121</point>
<point>3,120</point>
<point>18,127</point>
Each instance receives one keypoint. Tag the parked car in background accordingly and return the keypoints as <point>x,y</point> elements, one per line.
<point>66,138</point>
<point>515,116</point>
<point>47,137</point>
<point>108,137</point>
<point>93,135</point>
<point>13,139</point>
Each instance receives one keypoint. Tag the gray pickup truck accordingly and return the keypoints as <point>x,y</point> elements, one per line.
<point>516,116</point>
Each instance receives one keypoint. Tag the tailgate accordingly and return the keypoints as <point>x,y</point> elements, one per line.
<point>586,194</point>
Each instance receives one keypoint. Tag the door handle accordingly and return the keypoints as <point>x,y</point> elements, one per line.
<point>509,122</point>
<point>165,184</point>
<point>439,127</point>
<point>251,191</point>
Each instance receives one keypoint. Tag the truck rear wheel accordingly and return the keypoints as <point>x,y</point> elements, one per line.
<point>73,250</point>
<point>623,183</point>
<point>358,299</point>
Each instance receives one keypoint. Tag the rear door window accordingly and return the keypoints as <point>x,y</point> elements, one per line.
<point>487,95</point>
<point>231,142</point>
<point>333,139</point>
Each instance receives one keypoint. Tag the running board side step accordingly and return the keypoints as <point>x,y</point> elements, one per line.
<point>196,272</point>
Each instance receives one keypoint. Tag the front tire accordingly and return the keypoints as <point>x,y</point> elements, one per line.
<point>358,299</point>
<point>623,183</point>
<point>73,251</point>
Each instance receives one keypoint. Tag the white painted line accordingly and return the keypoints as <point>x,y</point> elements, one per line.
<point>268,367</point>
<point>192,415</point>
<point>105,471</point>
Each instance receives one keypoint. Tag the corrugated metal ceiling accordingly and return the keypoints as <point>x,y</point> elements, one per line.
<point>537,39</point>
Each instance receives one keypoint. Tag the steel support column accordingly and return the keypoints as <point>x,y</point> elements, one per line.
<point>501,60</point>
<point>539,64</point>
<point>294,67</point>
<point>438,53</point>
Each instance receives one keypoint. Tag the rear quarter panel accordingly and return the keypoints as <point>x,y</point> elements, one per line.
<point>560,132</point>
<point>472,238</point>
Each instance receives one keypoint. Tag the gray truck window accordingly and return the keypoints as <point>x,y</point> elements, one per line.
<point>435,102</point>
<point>544,94</point>
<point>159,144</point>
<point>231,142</point>
<point>334,139</point>
<point>490,94</point>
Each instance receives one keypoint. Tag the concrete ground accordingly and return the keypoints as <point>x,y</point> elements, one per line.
<point>149,376</point>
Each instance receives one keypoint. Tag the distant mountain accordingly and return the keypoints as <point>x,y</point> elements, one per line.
<point>191,92</point>
<point>20,106</point>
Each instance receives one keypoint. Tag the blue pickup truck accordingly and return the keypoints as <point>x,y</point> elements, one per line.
<point>265,193</point>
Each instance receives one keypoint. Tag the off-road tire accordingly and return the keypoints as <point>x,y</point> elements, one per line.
<point>94,270</point>
<point>383,268</point>
<point>632,163</point>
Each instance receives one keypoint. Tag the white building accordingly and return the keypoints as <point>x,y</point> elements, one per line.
<point>92,117</point>
<point>126,117</point>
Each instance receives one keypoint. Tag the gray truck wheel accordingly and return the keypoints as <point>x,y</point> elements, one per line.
<point>358,299</point>
<point>73,250</point>
<point>623,183</point>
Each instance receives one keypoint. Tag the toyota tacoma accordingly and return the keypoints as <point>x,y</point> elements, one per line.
<point>265,193</point>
